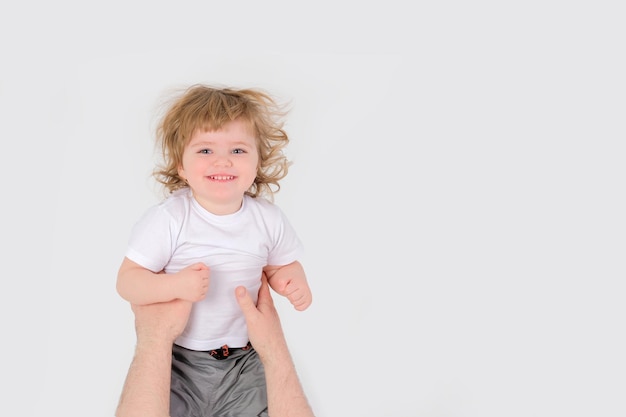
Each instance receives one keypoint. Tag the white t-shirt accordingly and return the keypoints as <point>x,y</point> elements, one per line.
<point>179,232</point>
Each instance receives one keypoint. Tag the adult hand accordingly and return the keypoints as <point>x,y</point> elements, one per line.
<point>161,321</point>
<point>264,328</point>
<point>146,390</point>
<point>285,396</point>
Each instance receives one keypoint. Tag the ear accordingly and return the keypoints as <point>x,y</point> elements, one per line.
<point>181,172</point>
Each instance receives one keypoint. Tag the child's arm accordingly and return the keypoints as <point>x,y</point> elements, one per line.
<point>290,281</point>
<point>141,286</point>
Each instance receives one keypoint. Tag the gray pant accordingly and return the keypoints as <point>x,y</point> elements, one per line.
<point>203,386</point>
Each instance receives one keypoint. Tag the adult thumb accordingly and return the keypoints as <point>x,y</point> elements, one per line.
<point>244,299</point>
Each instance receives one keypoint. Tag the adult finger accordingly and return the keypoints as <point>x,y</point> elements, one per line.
<point>245,301</point>
<point>265,298</point>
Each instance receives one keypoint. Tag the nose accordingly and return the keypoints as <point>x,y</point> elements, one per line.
<point>222,160</point>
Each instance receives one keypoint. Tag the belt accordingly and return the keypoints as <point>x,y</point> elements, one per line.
<point>225,351</point>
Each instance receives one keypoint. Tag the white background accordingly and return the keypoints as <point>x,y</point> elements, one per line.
<point>458,183</point>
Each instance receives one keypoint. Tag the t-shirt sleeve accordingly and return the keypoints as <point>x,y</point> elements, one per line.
<point>152,240</point>
<point>287,246</point>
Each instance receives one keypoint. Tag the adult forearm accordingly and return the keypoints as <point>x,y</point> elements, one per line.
<point>146,391</point>
<point>286,396</point>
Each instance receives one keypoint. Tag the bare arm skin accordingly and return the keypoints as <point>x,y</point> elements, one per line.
<point>141,286</point>
<point>286,397</point>
<point>146,391</point>
<point>290,281</point>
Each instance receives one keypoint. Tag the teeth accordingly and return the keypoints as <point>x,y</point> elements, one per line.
<point>221,177</point>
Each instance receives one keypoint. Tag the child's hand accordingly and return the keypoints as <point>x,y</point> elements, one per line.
<point>192,282</point>
<point>295,288</point>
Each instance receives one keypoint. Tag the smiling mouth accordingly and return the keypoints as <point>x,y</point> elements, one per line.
<point>221,177</point>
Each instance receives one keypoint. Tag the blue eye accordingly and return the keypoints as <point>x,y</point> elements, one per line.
<point>205,151</point>
<point>238,150</point>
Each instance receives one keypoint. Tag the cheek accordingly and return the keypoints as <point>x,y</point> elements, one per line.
<point>191,164</point>
<point>188,166</point>
<point>185,165</point>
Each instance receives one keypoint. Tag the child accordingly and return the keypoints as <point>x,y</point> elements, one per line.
<point>223,154</point>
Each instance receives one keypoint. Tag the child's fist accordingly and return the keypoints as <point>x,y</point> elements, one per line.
<point>296,290</point>
<point>193,282</point>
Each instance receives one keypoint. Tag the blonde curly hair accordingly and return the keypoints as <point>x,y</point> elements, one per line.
<point>202,107</point>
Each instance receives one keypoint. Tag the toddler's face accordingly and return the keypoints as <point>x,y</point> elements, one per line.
<point>220,166</point>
